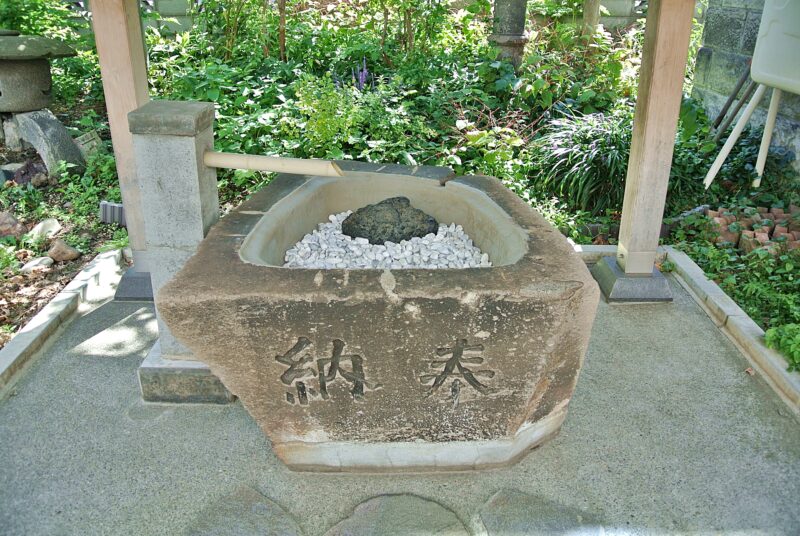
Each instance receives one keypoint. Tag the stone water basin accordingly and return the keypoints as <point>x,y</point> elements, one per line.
<point>389,370</point>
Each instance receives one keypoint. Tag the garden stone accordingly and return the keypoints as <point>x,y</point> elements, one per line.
<point>32,47</point>
<point>391,220</point>
<point>7,171</point>
<point>245,512</point>
<point>10,226</point>
<point>512,513</point>
<point>341,251</point>
<point>60,251</point>
<point>399,515</point>
<point>39,180</point>
<point>39,262</point>
<point>24,85</point>
<point>29,170</point>
<point>50,139</point>
<point>11,137</point>
<point>45,229</point>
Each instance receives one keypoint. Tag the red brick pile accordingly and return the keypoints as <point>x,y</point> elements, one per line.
<point>773,229</point>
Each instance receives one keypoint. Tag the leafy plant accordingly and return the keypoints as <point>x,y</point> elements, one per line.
<point>763,284</point>
<point>8,260</point>
<point>98,182</point>
<point>786,339</point>
<point>118,240</point>
<point>556,9</point>
<point>582,160</point>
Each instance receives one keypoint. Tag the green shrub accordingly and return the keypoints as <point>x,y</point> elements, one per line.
<point>570,73</point>
<point>582,160</point>
<point>37,17</point>
<point>786,339</point>
<point>99,182</point>
<point>556,8</point>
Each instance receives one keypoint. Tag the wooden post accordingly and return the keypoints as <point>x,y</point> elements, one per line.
<point>120,49</point>
<point>666,45</point>
<point>591,16</point>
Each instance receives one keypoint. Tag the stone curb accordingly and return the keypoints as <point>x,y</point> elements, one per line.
<point>38,332</point>
<point>739,327</point>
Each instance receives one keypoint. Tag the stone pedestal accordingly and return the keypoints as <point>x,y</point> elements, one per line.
<point>179,205</point>
<point>25,83</point>
<point>617,286</point>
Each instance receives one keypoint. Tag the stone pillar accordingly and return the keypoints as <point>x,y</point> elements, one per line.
<point>508,30</point>
<point>179,205</point>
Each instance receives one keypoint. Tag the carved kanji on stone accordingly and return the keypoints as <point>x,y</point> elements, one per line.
<point>355,375</point>
<point>300,360</point>
<point>297,359</point>
<point>455,366</point>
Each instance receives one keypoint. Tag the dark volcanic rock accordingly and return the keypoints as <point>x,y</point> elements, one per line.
<point>29,170</point>
<point>391,220</point>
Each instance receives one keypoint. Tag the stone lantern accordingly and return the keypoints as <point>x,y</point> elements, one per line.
<point>508,29</point>
<point>25,83</point>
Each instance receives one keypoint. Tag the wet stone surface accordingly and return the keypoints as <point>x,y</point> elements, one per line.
<point>510,513</point>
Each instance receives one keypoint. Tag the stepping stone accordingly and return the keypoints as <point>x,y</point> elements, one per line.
<point>245,512</point>
<point>512,513</point>
<point>399,515</point>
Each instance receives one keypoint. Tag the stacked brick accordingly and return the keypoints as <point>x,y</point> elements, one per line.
<point>774,229</point>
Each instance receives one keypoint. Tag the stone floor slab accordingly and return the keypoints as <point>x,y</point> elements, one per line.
<point>513,513</point>
<point>135,286</point>
<point>399,515</point>
<point>245,512</point>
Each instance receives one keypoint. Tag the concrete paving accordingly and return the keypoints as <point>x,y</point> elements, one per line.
<point>666,433</point>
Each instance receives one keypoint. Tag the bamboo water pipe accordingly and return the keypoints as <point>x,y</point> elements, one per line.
<point>295,166</point>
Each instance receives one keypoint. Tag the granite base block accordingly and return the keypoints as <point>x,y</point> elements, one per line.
<point>134,286</point>
<point>162,379</point>
<point>617,286</point>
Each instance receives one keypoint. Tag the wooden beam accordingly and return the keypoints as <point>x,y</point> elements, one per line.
<point>666,45</point>
<point>120,49</point>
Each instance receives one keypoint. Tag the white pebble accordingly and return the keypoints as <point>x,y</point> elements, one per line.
<point>327,248</point>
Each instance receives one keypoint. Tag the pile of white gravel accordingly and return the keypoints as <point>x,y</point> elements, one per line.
<point>328,247</point>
